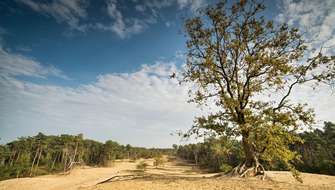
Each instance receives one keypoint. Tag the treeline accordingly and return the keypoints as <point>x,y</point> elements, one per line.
<point>317,153</point>
<point>215,154</point>
<point>318,150</point>
<point>43,154</point>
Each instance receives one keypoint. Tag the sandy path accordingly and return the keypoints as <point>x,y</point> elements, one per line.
<point>174,174</point>
<point>89,176</point>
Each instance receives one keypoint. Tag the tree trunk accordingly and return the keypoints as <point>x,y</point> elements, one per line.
<point>18,157</point>
<point>65,162</point>
<point>32,165</point>
<point>249,152</point>
<point>251,165</point>
<point>72,159</point>
<point>38,160</point>
<point>196,157</point>
<point>54,161</point>
<point>12,157</point>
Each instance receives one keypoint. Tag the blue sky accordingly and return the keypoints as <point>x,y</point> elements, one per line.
<point>85,54</point>
<point>101,67</point>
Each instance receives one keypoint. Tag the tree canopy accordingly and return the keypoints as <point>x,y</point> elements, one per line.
<point>248,67</point>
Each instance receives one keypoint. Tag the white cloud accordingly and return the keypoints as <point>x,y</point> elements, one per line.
<point>74,13</point>
<point>15,65</point>
<point>140,108</point>
<point>121,26</point>
<point>68,11</point>
<point>321,99</point>
<point>140,8</point>
<point>194,5</point>
<point>182,4</point>
<point>150,9</point>
<point>315,18</point>
<point>168,24</point>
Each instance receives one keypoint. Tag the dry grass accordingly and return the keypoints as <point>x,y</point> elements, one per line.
<point>175,174</point>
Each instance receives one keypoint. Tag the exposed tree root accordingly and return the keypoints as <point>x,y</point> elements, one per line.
<point>243,170</point>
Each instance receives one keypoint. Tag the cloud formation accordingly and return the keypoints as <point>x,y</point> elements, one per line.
<point>121,26</point>
<point>315,18</point>
<point>17,65</point>
<point>140,108</point>
<point>70,12</point>
<point>75,14</point>
<point>149,14</point>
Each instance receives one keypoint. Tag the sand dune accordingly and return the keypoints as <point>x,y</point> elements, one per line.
<point>174,174</point>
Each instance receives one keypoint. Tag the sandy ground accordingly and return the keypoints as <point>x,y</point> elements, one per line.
<point>174,174</point>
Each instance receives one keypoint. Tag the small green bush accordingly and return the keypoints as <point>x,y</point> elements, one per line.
<point>158,161</point>
<point>225,168</point>
<point>142,165</point>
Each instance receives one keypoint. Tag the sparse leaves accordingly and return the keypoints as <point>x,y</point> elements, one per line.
<point>235,57</point>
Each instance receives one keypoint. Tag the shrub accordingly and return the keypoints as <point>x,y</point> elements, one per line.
<point>142,165</point>
<point>225,168</point>
<point>158,161</point>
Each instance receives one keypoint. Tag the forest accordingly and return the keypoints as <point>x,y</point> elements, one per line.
<point>44,154</point>
<point>316,153</point>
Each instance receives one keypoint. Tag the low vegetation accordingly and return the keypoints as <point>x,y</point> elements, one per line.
<point>142,165</point>
<point>159,161</point>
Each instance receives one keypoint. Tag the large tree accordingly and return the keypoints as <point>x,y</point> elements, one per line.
<point>248,67</point>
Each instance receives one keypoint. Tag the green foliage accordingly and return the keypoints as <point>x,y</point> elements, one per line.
<point>42,154</point>
<point>316,153</point>
<point>225,168</point>
<point>236,58</point>
<point>318,150</point>
<point>214,154</point>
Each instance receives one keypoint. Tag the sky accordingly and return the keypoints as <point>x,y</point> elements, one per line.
<point>102,68</point>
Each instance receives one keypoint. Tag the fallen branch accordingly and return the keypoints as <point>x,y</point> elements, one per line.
<point>121,177</point>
